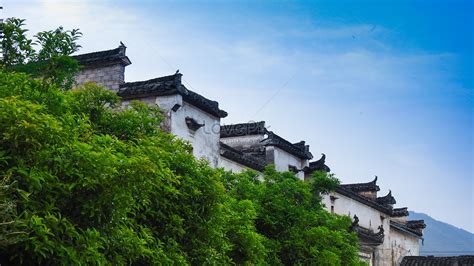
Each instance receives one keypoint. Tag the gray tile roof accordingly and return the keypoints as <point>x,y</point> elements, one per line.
<point>466,260</point>
<point>169,85</point>
<point>245,159</point>
<point>319,165</point>
<point>298,149</point>
<point>100,58</point>
<point>363,187</point>
<point>243,129</point>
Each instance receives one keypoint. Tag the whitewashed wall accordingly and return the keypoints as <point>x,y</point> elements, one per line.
<point>205,140</point>
<point>402,244</point>
<point>231,165</point>
<point>368,217</point>
<point>283,160</point>
<point>395,245</point>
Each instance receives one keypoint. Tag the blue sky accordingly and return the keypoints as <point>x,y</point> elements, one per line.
<point>381,87</point>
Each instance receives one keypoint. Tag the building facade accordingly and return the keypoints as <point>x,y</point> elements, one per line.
<point>385,234</point>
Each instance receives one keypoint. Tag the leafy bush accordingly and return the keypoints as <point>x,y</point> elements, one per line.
<point>84,180</point>
<point>52,61</point>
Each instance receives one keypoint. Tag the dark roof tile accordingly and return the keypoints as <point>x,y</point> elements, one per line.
<point>319,165</point>
<point>466,260</point>
<point>400,212</point>
<point>416,231</point>
<point>107,57</point>
<point>243,129</point>
<point>169,85</point>
<point>299,149</point>
<point>387,199</point>
<point>363,187</point>
<point>245,159</point>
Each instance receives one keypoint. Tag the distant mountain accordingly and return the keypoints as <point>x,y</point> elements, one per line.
<point>442,239</point>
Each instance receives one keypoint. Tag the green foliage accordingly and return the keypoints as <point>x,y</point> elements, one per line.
<point>90,182</point>
<point>84,180</point>
<point>17,48</point>
<point>57,43</point>
<point>291,218</point>
<point>51,62</point>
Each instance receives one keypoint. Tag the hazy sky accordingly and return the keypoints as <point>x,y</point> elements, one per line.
<point>382,88</point>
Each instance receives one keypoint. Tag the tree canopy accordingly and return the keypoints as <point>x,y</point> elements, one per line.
<point>84,180</point>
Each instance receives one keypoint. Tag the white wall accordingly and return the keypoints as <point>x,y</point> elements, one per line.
<point>205,140</point>
<point>368,217</point>
<point>231,165</point>
<point>402,245</point>
<point>395,245</point>
<point>283,159</point>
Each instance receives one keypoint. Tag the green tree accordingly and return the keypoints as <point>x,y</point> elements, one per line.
<point>291,218</point>
<point>84,180</point>
<point>52,61</point>
<point>17,48</point>
<point>96,183</point>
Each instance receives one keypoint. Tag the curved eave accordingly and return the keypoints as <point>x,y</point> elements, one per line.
<point>363,187</point>
<point>405,229</point>
<point>369,237</point>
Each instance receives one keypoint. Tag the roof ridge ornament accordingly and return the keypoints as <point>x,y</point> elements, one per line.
<point>122,49</point>
<point>375,180</point>
<point>363,187</point>
<point>169,85</point>
<point>319,165</point>
<point>387,199</point>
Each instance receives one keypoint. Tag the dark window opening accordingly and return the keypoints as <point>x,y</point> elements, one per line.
<point>293,169</point>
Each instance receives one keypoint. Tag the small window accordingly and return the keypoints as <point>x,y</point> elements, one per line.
<point>192,124</point>
<point>332,209</point>
<point>293,169</point>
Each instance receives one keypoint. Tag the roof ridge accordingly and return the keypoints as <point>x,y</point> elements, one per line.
<point>241,157</point>
<point>368,186</point>
<point>243,129</point>
<point>387,199</point>
<point>97,52</point>
<point>98,58</point>
<point>141,82</point>
<point>169,85</point>
<point>274,139</point>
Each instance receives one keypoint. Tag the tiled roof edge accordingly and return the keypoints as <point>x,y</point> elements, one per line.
<point>275,140</point>
<point>237,156</point>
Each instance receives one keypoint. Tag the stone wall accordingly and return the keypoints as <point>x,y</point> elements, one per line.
<point>110,76</point>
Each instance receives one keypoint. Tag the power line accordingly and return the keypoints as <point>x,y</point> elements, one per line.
<point>275,94</point>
